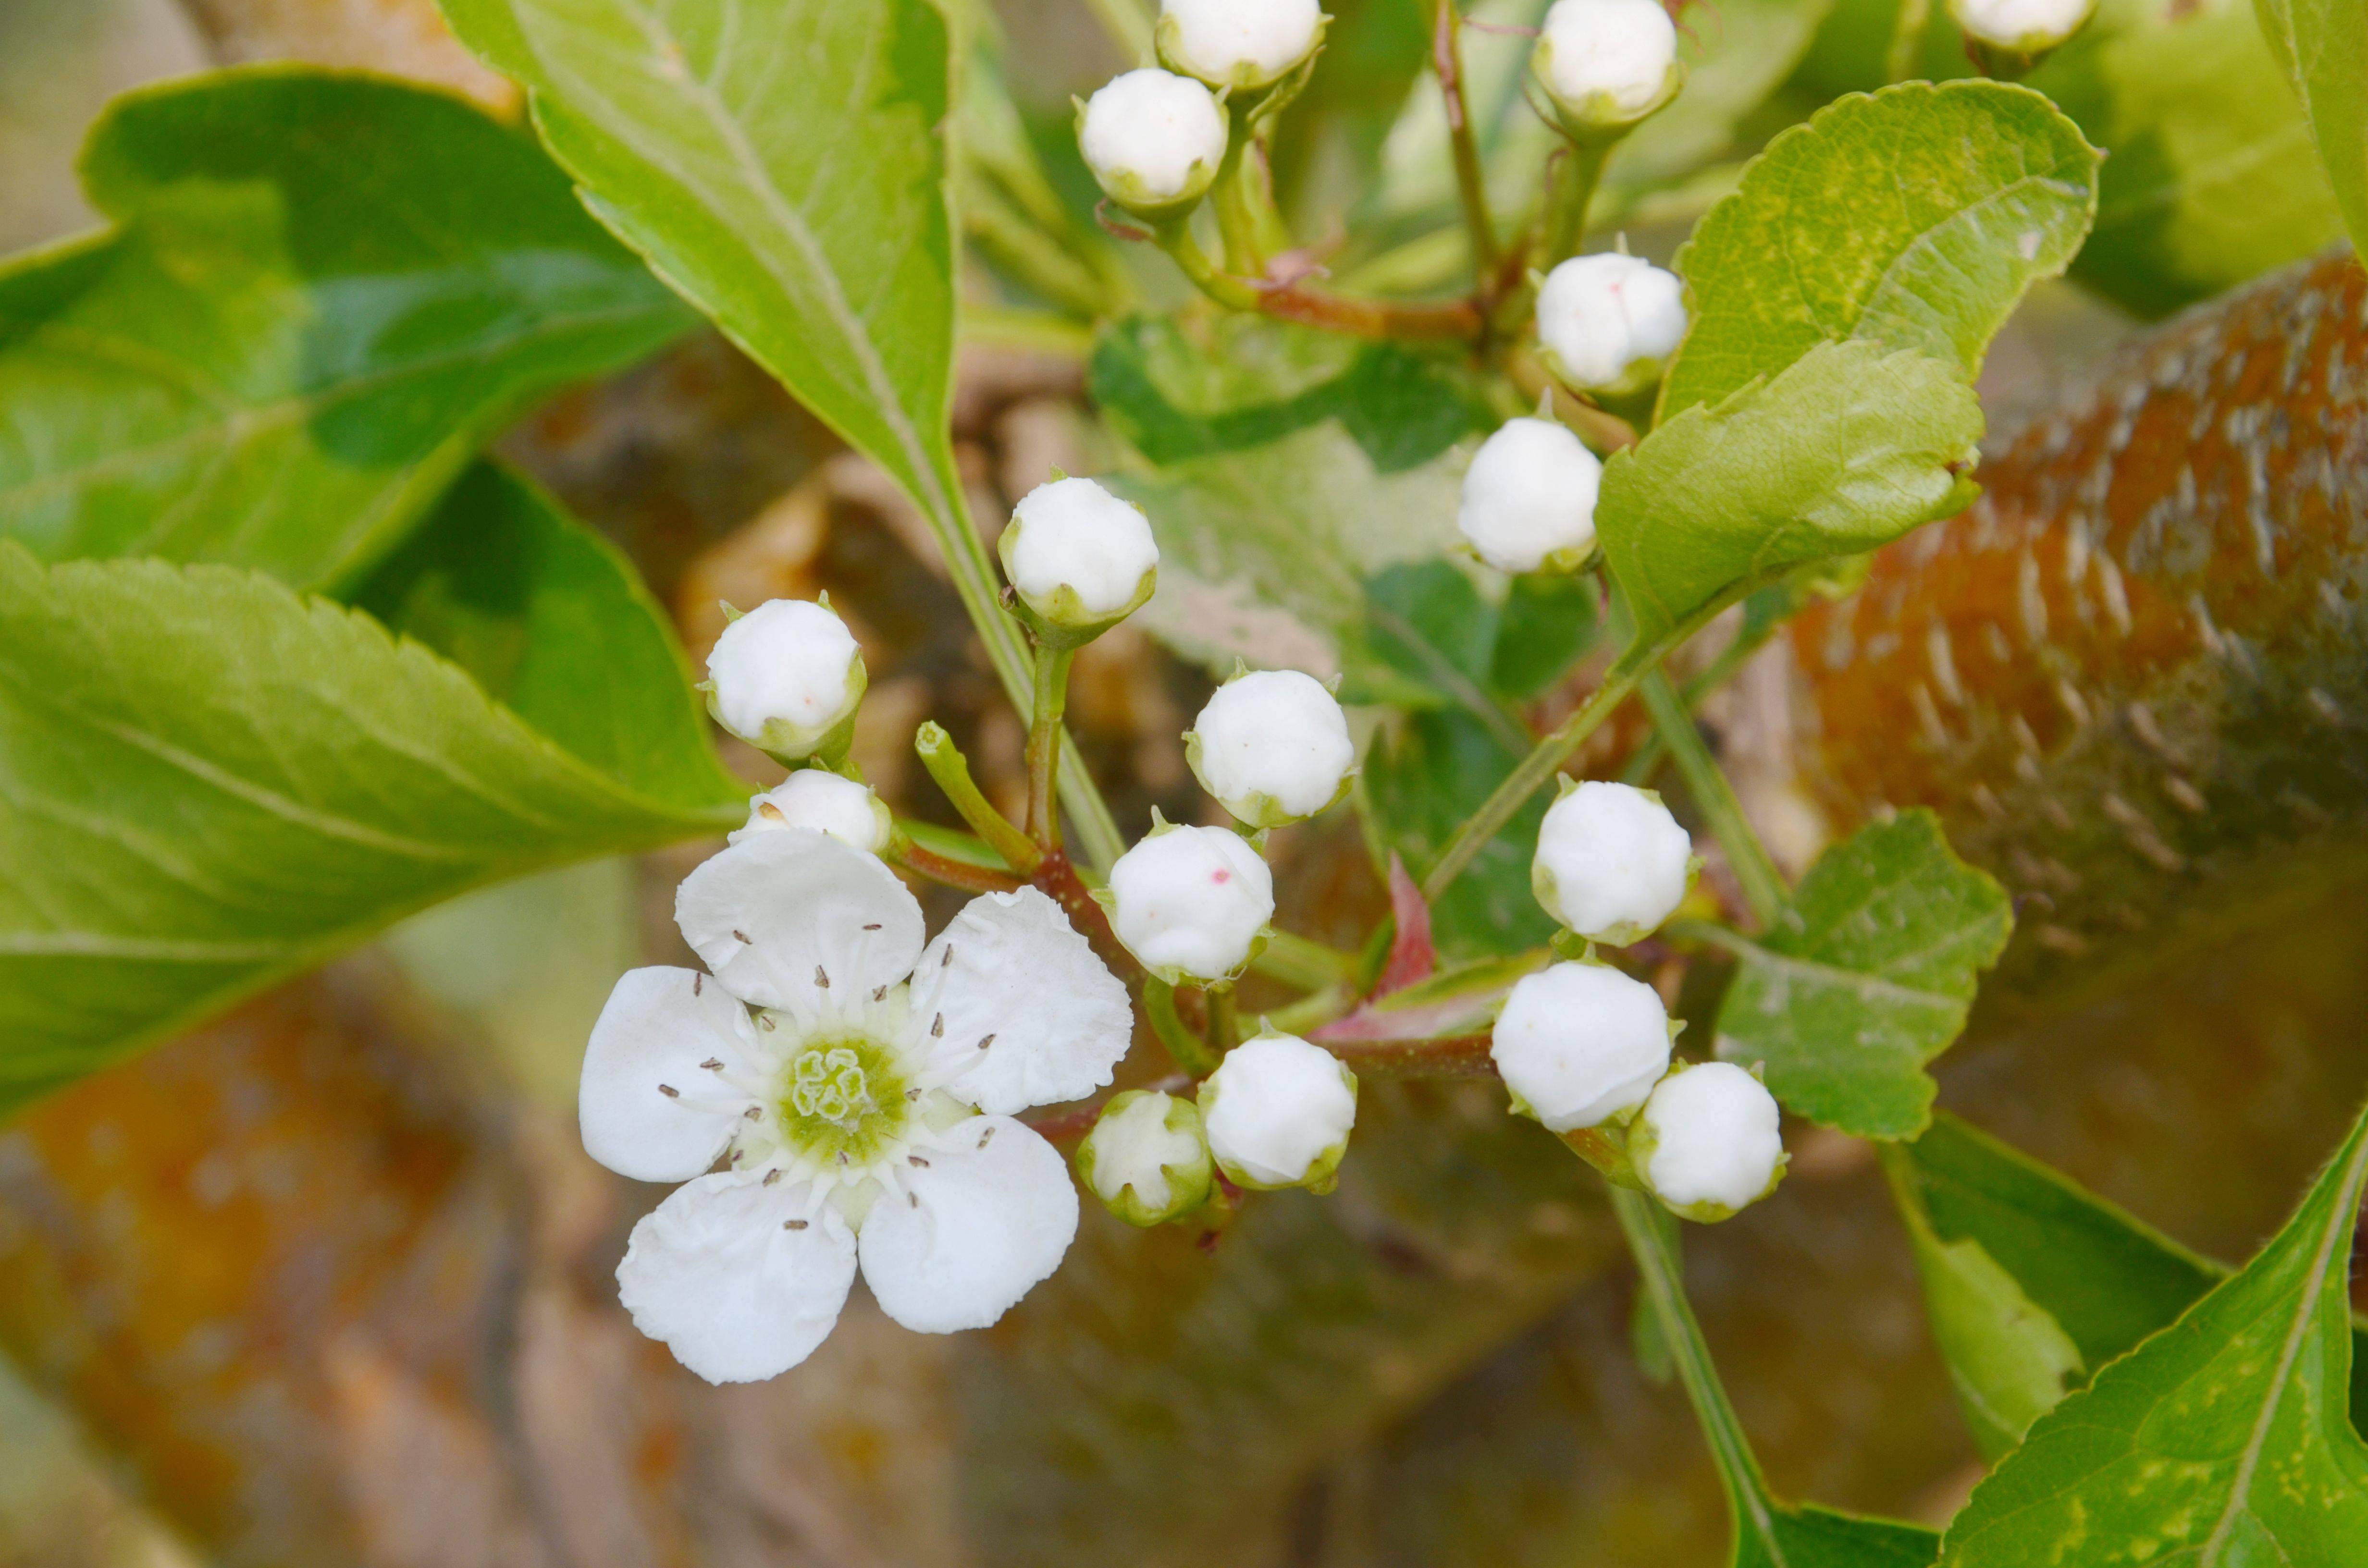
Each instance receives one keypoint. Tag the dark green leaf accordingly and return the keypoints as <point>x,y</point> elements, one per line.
<point>322,293</point>
<point>2323,45</point>
<point>2222,1440</point>
<point>1431,638</point>
<point>1423,775</point>
<point>1849,448</point>
<point>1254,381</point>
<point>2103,1276</point>
<point>208,782</point>
<point>553,623</point>
<point>1865,977</point>
<point>1811,1537</point>
<point>1915,218</point>
<point>782,163</point>
<point>2212,180</point>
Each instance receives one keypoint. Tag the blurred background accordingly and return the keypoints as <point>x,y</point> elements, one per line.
<point>329,1281</point>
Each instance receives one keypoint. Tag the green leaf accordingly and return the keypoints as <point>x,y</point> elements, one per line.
<point>2323,45</point>
<point>2105,1277</point>
<point>320,295</point>
<point>1253,380</point>
<point>2212,180</point>
<point>782,163</point>
<point>2222,1440</point>
<point>1424,775</point>
<point>552,622</point>
<point>1865,977</point>
<point>1810,1536</point>
<point>208,782</point>
<point>1851,446</point>
<point>1914,218</point>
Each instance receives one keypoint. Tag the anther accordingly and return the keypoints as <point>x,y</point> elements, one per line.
<point>766,809</point>
<point>793,1225</point>
<point>873,925</point>
<point>919,1160</point>
<point>754,1113</point>
<point>987,1041</point>
<point>912,1199</point>
<point>669,1091</point>
<point>821,980</point>
<point>881,995</point>
<point>765,1020</point>
<point>771,1176</point>
<point>938,1026</point>
<point>713,1064</point>
<point>984,1136</point>
<point>742,938</point>
<point>697,981</point>
<point>947,961</point>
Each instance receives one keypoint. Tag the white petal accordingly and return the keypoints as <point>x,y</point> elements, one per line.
<point>741,1281</point>
<point>1022,977</point>
<point>778,914</point>
<point>988,1217</point>
<point>647,1106</point>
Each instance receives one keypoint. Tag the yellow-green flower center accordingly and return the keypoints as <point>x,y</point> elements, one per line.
<point>843,1097</point>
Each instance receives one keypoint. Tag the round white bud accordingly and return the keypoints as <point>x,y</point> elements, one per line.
<point>786,678</point>
<point>1580,1043</point>
<point>1278,1112</point>
<point>1608,321</point>
<point>1153,140</point>
<point>1273,746</point>
<point>1238,43</point>
<point>1529,498</point>
<point>2022,27</point>
<point>1191,902</point>
<point>1612,862</point>
<point>1607,64</point>
<point>1079,558</point>
<point>1147,1158</point>
<point>819,799</point>
<point>1707,1141</point>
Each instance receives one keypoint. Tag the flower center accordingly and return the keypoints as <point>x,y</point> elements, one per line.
<point>842,1101</point>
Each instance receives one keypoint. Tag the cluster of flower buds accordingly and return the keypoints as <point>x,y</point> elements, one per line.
<point>1147,1158</point>
<point>1192,904</point>
<point>1272,747</point>
<point>786,677</point>
<point>1529,498</point>
<point>1079,561</point>
<point>1607,64</point>
<point>1239,44</point>
<point>1582,1045</point>
<point>1608,324</point>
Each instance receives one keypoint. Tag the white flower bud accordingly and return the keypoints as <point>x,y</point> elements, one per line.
<point>1191,902</point>
<point>1238,43</point>
<point>1080,559</point>
<point>1153,140</point>
<point>2022,27</point>
<point>1273,746</point>
<point>1278,1111</point>
<point>1607,64</point>
<point>1579,1044</point>
<point>1147,1158</point>
<point>1612,862</point>
<point>817,798</point>
<point>786,678</point>
<point>1608,321</point>
<point>1529,498</point>
<point>1707,1141</point>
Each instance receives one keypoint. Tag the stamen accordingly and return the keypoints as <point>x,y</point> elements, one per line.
<point>697,981</point>
<point>669,1091</point>
<point>766,809</point>
<point>919,1160</point>
<point>938,1026</point>
<point>793,1225</point>
<point>821,979</point>
<point>713,1064</point>
<point>881,995</point>
<point>754,1113</point>
<point>771,1176</point>
<point>984,1136</point>
<point>912,1199</point>
<point>765,1020</point>
<point>842,1156</point>
<point>911,1094</point>
<point>947,961</point>
<point>874,927</point>
<point>987,1041</point>
<point>742,937</point>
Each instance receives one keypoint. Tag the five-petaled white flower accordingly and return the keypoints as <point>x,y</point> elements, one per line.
<point>861,1092</point>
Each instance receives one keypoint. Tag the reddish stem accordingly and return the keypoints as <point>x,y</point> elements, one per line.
<point>955,873</point>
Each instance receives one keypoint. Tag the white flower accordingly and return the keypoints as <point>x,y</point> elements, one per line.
<point>1238,43</point>
<point>1612,862</point>
<point>1278,1112</point>
<point>1609,321</point>
<point>860,1113</point>
<point>1273,746</point>
<point>1153,140</point>
<point>1147,1158</point>
<point>1707,1142</point>
<point>1078,556</point>
<point>1191,902</point>
<point>1580,1043</point>
<point>1529,497</point>
<point>1607,64</point>
<point>786,678</point>
<point>817,798</point>
<point>2024,27</point>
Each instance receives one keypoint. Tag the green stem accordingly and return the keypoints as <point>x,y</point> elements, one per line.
<point>1649,1238</point>
<point>1234,198</point>
<point>1189,1050</point>
<point>1303,962</point>
<point>1471,179</point>
<point>1576,174</point>
<point>1224,1023</point>
<point>1050,699</point>
<point>1763,885</point>
<point>1128,26</point>
<point>950,769</point>
<point>1713,675</point>
<point>1534,769</point>
<point>1234,294</point>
